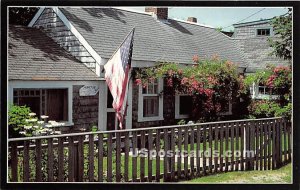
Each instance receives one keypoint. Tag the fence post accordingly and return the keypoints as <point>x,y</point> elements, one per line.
<point>249,146</point>
<point>246,146</point>
<point>278,144</point>
<point>14,161</point>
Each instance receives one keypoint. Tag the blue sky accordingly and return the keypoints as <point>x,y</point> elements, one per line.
<point>221,17</point>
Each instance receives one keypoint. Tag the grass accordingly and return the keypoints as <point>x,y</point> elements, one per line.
<point>282,175</point>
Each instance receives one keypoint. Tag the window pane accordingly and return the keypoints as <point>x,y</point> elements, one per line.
<point>261,90</point>
<point>110,99</point>
<point>110,121</point>
<point>186,103</point>
<point>144,90</point>
<point>32,102</point>
<point>268,32</point>
<point>150,106</point>
<point>150,89</point>
<point>155,89</point>
<point>57,104</point>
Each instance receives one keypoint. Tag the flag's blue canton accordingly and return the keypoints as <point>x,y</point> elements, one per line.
<point>125,51</point>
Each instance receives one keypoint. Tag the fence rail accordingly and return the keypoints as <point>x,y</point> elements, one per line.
<point>128,155</point>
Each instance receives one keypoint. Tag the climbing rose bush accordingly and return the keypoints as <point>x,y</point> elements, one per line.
<point>211,82</point>
<point>279,79</point>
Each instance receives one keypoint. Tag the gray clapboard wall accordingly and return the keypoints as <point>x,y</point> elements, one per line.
<point>56,29</point>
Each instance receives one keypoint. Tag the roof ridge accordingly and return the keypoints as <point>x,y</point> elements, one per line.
<point>192,23</point>
<point>133,11</point>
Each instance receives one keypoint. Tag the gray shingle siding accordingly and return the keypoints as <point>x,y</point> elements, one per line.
<point>56,29</point>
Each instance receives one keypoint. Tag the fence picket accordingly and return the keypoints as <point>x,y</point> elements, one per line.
<point>71,160</point>
<point>216,148</point>
<point>109,157</point>
<point>150,147</point>
<point>50,160</point>
<point>173,156</point>
<point>192,158</point>
<point>210,148</point>
<point>134,158</point>
<point>198,149</point>
<point>221,147</point>
<point>14,161</point>
<point>179,144</point>
<point>118,157</point>
<point>204,149</point>
<point>166,147</point>
<point>269,145</point>
<point>80,153</point>
<point>126,172</point>
<point>237,141</point>
<point>186,133</point>
<point>142,158</point>
<point>157,148</point>
<point>256,144</point>
<point>226,145</point>
<point>60,159</point>
<point>26,168</point>
<point>232,145</point>
<point>289,141</point>
<point>273,145</point>
<point>91,158</point>
<point>100,157</point>
<point>242,145</point>
<point>265,146</point>
<point>38,158</point>
<point>284,141</point>
<point>261,145</point>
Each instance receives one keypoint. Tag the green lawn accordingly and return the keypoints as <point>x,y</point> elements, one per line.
<point>282,175</point>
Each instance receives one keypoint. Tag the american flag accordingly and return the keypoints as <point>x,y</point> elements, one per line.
<point>117,71</point>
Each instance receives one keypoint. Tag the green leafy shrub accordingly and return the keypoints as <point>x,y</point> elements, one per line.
<point>17,116</point>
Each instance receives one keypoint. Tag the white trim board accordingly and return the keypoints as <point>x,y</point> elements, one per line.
<point>36,16</point>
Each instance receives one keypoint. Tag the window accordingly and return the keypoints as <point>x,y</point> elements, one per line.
<point>263,32</point>
<point>150,102</point>
<point>262,92</point>
<point>51,102</point>
<point>226,106</point>
<point>183,106</point>
<point>266,90</point>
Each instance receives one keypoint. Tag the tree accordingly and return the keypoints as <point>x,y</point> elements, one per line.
<point>282,43</point>
<point>21,15</point>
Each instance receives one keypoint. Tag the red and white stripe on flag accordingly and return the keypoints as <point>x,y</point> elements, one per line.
<point>117,71</point>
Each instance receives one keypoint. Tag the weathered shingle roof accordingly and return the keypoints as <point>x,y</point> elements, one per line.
<point>173,41</point>
<point>35,56</point>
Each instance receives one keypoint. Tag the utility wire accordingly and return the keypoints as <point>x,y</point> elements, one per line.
<point>246,17</point>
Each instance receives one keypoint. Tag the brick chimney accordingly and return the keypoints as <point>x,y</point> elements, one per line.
<point>192,19</point>
<point>160,13</point>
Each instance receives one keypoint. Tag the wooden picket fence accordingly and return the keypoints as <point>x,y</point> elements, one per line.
<point>108,156</point>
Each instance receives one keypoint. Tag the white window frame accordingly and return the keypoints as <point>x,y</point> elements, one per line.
<point>141,117</point>
<point>255,94</point>
<point>177,107</point>
<point>264,28</point>
<point>50,85</point>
